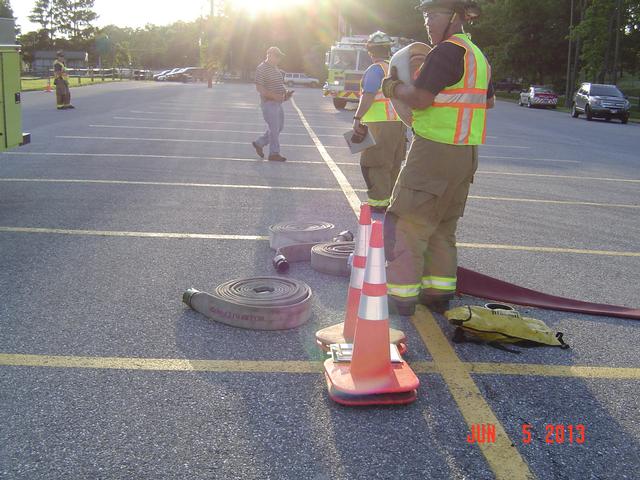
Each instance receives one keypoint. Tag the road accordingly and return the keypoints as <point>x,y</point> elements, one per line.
<point>104,373</point>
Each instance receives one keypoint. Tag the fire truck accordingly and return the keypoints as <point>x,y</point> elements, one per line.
<point>346,62</point>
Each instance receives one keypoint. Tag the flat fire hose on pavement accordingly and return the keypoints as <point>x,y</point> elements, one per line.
<point>260,303</point>
<point>483,286</point>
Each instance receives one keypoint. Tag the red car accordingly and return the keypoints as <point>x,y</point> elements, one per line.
<point>538,96</point>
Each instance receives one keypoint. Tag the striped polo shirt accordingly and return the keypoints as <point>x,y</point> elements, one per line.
<point>270,77</point>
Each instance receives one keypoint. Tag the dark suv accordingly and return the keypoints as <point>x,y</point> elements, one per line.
<point>603,101</point>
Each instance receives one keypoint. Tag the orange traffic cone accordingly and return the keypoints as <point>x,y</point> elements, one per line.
<point>344,332</point>
<point>48,87</point>
<point>370,377</point>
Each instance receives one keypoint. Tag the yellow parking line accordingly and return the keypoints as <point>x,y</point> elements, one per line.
<point>292,366</point>
<point>494,246</point>
<point>573,371</point>
<point>107,233</point>
<point>170,364</point>
<point>503,458</point>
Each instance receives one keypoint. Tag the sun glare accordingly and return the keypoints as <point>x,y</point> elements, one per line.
<point>254,7</point>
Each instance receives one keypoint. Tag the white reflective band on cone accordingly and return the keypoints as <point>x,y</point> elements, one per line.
<point>375,272</point>
<point>373,308</point>
<point>362,242</point>
<point>357,278</point>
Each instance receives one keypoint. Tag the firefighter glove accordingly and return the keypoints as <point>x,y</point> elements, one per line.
<point>390,83</point>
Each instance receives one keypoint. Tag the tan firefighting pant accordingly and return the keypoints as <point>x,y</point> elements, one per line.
<point>63,95</point>
<point>420,225</point>
<point>381,163</point>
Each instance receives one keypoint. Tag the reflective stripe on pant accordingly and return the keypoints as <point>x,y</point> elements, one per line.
<point>381,163</point>
<point>420,225</point>
<point>273,114</point>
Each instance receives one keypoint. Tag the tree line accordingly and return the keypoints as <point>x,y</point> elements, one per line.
<point>546,41</point>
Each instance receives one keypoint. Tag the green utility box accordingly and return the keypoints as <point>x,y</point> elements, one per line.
<point>10,109</point>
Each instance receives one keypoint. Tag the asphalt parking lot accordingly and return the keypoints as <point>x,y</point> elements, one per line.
<point>147,189</point>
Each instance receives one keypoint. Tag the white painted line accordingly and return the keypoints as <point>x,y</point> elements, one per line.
<point>525,248</point>
<point>548,175</point>
<point>174,157</point>
<point>108,233</point>
<point>309,189</point>
<point>345,186</point>
<point>554,202</point>
<point>491,145</point>
<point>179,140</point>
<point>346,123</point>
<point>169,184</point>
<point>553,160</point>
<point>225,111</point>
<point>131,127</point>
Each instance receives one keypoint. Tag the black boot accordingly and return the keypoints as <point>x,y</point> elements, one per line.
<point>400,306</point>
<point>436,303</point>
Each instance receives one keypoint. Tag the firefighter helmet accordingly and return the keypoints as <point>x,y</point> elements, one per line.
<point>469,8</point>
<point>380,39</point>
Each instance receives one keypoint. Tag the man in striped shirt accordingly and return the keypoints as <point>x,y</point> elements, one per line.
<point>270,85</point>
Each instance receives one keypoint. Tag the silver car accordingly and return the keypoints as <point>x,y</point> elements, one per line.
<point>292,79</point>
<point>599,100</point>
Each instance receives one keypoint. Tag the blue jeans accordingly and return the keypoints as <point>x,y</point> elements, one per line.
<point>274,116</point>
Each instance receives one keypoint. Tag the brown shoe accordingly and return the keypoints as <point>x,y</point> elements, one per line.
<point>276,157</point>
<point>258,148</point>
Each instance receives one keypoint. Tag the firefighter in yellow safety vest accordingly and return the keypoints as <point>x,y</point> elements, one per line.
<point>449,101</point>
<point>381,163</point>
<point>63,95</point>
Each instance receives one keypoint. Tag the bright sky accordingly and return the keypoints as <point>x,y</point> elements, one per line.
<point>137,13</point>
<point>126,13</point>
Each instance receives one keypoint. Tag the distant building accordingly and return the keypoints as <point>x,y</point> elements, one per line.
<point>43,60</point>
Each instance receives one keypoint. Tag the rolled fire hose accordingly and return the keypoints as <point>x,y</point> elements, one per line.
<point>258,303</point>
<point>290,233</point>
<point>300,252</point>
<point>407,61</point>
<point>332,258</point>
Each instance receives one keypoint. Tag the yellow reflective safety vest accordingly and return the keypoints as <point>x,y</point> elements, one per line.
<point>63,73</point>
<point>504,326</point>
<point>458,113</point>
<point>381,110</point>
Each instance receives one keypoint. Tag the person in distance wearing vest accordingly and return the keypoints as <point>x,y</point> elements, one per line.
<point>449,101</point>
<point>381,163</point>
<point>63,95</point>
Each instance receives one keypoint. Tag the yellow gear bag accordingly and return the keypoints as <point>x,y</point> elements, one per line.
<point>503,325</point>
